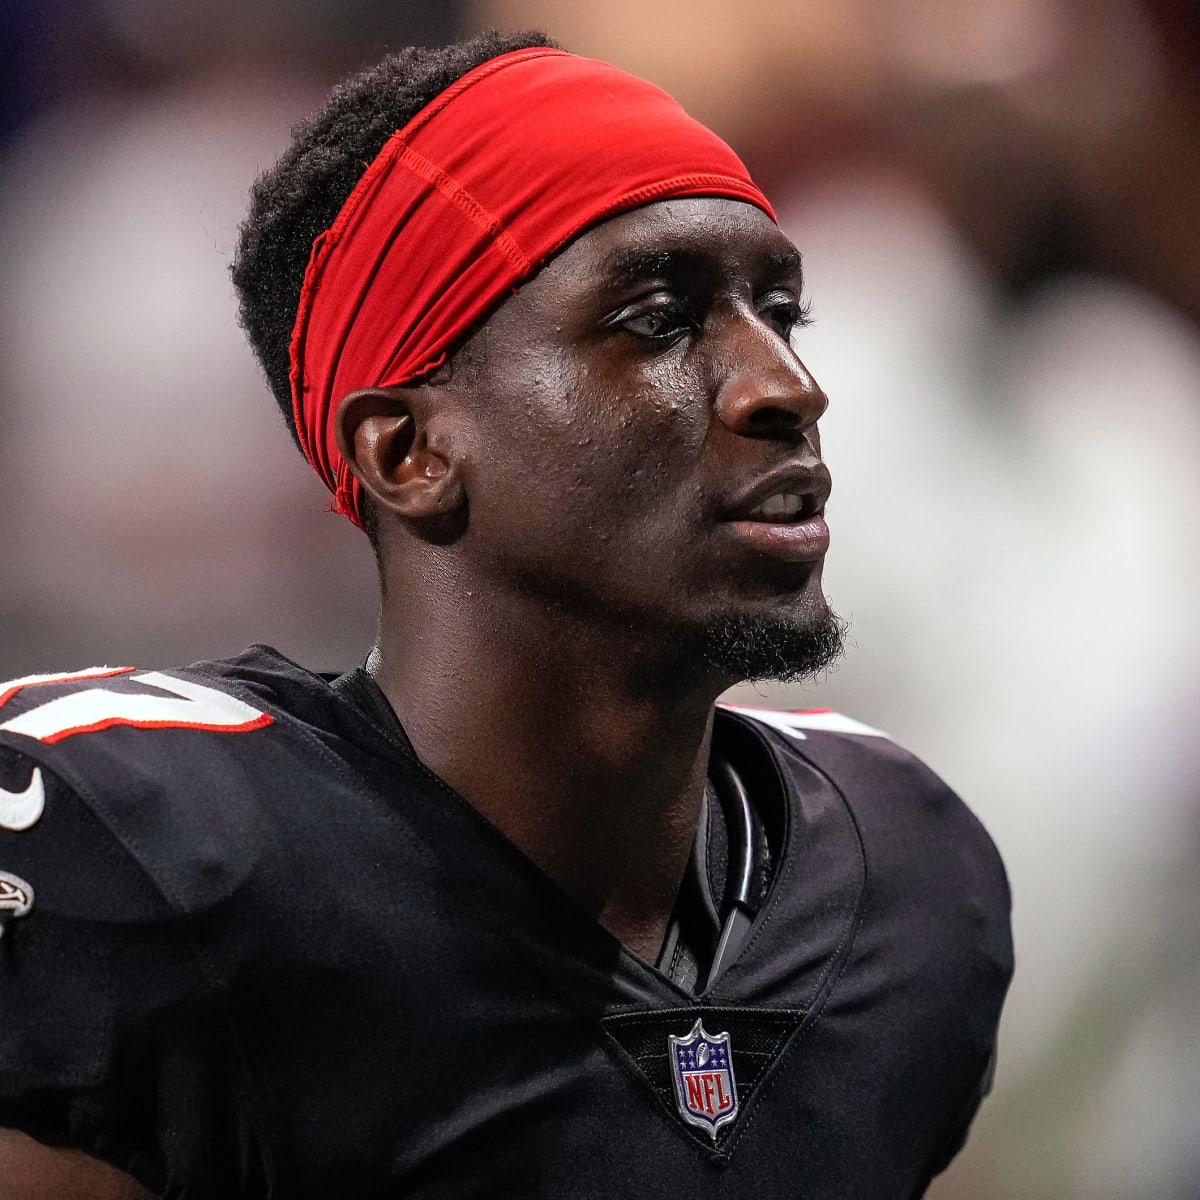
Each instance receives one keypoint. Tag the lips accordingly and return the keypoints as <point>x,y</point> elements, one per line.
<point>782,514</point>
<point>774,496</point>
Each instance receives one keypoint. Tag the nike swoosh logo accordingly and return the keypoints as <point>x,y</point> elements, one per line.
<point>20,810</point>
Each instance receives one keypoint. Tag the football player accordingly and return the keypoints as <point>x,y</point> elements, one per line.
<point>515,909</point>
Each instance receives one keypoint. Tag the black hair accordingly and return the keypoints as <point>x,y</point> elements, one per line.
<point>299,197</point>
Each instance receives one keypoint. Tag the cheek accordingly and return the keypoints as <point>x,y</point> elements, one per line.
<point>645,482</point>
<point>600,443</point>
<point>647,438</point>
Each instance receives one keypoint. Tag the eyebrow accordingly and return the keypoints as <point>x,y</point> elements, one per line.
<point>634,266</point>
<point>784,262</point>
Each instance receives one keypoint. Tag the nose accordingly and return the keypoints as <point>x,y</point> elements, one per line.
<point>765,390</point>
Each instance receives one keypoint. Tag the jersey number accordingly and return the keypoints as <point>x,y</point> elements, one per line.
<point>189,706</point>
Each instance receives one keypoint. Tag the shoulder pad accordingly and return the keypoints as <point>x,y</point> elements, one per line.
<point>124,745</point>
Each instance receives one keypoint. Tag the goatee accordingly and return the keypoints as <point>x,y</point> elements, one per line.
<point>782,650</point>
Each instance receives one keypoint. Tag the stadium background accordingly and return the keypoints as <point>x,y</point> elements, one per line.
<point>999,207</point>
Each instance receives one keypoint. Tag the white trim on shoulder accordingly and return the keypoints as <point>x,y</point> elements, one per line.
<point>794,723</point>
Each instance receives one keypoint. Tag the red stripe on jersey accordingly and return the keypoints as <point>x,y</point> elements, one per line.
<point>260,722</point>
<point>13,686</point>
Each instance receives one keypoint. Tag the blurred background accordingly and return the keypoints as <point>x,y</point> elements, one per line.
<point>998,203</point>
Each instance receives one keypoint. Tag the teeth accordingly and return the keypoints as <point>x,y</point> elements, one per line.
<point>779,506</point>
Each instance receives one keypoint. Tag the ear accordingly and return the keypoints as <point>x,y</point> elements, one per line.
<point>382,434</point>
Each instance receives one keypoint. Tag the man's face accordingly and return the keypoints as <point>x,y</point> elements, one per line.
<point>632,409</point>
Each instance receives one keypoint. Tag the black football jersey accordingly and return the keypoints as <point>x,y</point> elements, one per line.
<point>251,947</point>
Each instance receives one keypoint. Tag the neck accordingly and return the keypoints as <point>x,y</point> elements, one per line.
<point>595,774</point>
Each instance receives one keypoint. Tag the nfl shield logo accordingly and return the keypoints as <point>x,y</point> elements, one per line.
<point>702,1072</point>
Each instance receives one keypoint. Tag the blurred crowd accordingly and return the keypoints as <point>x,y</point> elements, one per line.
<point>998,204</point>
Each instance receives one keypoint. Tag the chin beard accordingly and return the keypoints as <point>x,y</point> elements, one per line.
<point>785,650</point>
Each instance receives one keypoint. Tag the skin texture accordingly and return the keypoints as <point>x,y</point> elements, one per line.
<point>556,543</point>
<point>31,1171</point>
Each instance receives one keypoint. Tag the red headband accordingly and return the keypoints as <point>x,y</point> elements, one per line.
<point>467,200</point>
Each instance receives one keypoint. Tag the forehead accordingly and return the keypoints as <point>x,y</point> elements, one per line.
<point>709,234</point>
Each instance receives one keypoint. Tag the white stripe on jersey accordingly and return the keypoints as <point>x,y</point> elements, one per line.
<point>794,723</point>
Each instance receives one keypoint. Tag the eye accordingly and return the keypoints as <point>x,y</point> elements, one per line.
<point>660,321</point>
<point>785,313</point>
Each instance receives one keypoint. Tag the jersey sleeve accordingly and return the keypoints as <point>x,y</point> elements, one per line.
<point>109,1041</point>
